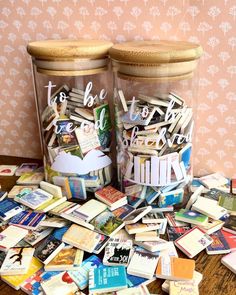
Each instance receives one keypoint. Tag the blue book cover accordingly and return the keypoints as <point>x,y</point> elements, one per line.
<point>123,211</point>
<point>171,198</point>
<point>77,187</point>
<point>219,244</point>
<point>185,155</point>
<point>7,205</point>
<point>27,218</point>
<point>151,195</point>
<point>35,198</point>
<point>81,275</point>
<point>107,278</point>
<point>59,232</point>
<point>134,281</point>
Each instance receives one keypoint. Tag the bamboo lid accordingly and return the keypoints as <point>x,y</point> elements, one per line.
<point>69,49</point>
<point>155,52</point>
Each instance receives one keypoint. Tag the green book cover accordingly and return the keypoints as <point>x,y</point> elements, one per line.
<point>228,203</point>
<point>191,216</point>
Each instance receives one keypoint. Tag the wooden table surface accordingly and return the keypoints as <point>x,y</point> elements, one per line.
<point>217,279</point>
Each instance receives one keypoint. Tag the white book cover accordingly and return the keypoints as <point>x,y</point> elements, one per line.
<point>17,261</point>
<point>230,261</point>
<point>209,207</point>
<point>137,215</point>
<point>11,236</point>
<point>213,180</point>
<point>142,264</point>
<point>53,189</point>
<point>91,209</point>
<point>193,242</point>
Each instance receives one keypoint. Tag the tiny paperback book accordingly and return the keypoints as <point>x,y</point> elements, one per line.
<point>170,216</point>
<point>81,275</point>
<point>137,215</point>
<point>32,285</point>
<point>230,224</point>
<point>34,199</point>
<point>59,284</point>
<point>174,268</point>
<point>65,138</point>
<point>107,279</point>
<point>16,281</point>
<point>81,237</point>
<point>107,223</point>
<point>117,252</point>
<point>157,217</point>
<point>141,227</point>
<point>11,236</point>
<point>9,208</point>
<point>90,209</point>
<point>183,288</point>
<point>124,211</point>
<point>171,198</point>
<point>147,236</point>
<point>7,170</point>
<point>30,178</point>
<point>27,219</point>
<point>111,196</point>
<point>66,259</point>
<point>101,244</point>
<point>35,236</point>
<point>219,244</point>
<point>3,195</point>
<point>20,189</point>
<point>230,261</point>
<point>191,216</point>
<point>193,242</point>
<point>143,264</point>
<point>213,180</point>
<point>175,232</point>
<point>48,249</point>
<point>26,167</point>
<point>17,261</point>
<point>77,188</point>
<point>53,189</point>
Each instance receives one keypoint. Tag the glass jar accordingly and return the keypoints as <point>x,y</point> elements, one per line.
<point>154,101</point>
<point>72,101</point>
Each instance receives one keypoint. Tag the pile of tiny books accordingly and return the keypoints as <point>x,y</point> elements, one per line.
<point>44,237</point>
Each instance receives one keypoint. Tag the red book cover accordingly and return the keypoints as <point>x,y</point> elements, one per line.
<point>109,195</point>
<point>230,238</point>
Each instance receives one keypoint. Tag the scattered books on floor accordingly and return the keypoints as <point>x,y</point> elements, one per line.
<point>44,236</point>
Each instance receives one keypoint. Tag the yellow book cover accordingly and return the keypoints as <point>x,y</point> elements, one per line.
<point>50,204</point>
<point>66,259</point>
<point>16,281</point>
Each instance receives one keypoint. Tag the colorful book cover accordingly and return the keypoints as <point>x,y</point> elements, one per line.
<point>107,223</point>
<point>30,178</point>
<point>230,224</point>
<point>123,211</point>
<point>170,216</point>
<point>26,167</point>
<point>32,285</point>
<point>77,187</point>
<point>34,199</point>
<point>66,259</point>
<point>61,283</point>
<point>175,232</point>
<point>58,233</point>
<point>101,244</point>
<point>65,138</point>
<point>16,281</point>
<point>117,252</point>
<point>151,195</point>
<point>231,239</point>
<point>190,216</point>
<point>171,198</point>
<point>109,195</point>
<point>105,279</point>
<point>134,281</point>
<point>27,219</point>
<point>46,249</point>
<point>50,204</point>
<point>8,207</point>
<point>103,110</point>
<point>17,189</point>
<point>81,275</point>
<point>219,244</point>
<point>34,236</point>
<point>17,261</point>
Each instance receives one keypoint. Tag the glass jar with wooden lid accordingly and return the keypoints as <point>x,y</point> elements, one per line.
<point>155,86</point>
<point>72,100</point>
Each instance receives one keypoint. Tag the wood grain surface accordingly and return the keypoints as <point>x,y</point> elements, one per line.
<point>217,279</point>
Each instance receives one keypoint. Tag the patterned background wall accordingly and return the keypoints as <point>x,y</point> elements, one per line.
<point>211,23</point>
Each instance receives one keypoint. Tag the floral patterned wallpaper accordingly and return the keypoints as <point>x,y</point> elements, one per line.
<point>209,22</point>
